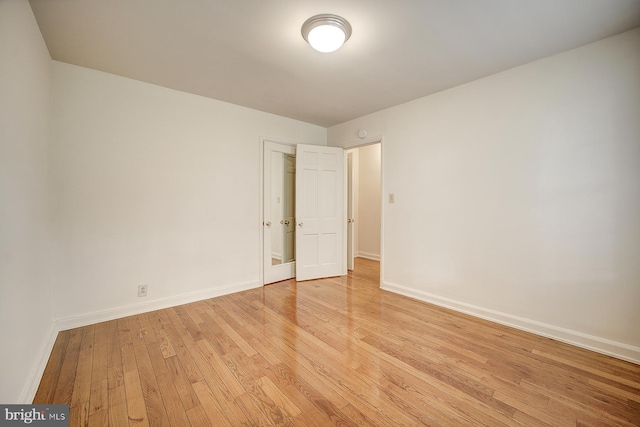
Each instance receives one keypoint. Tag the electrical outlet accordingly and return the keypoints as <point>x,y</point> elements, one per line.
<point>142,290</point>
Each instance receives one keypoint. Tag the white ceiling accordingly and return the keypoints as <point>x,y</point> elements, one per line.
<point>251,53</point>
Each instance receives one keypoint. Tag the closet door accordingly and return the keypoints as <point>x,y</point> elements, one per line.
<point>278,212</point>
<point>320,212</point>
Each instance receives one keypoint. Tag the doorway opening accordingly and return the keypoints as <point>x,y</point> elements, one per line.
<point>279,203</point>
<point>322,209</point>
<point>364,206</point>
<point>303,196</point>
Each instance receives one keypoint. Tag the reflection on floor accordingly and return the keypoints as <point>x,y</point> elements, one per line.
<point>336,351</point>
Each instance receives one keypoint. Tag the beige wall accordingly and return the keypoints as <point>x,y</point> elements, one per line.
<point>368,214</point>
<point>26,318</point>
<point>517,196</point>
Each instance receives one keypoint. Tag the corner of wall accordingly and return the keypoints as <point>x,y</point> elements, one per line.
<point>33,379</point>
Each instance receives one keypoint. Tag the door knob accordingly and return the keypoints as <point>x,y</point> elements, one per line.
<point>300,224</point>
<point>267,223</point>
<point>287,222</point>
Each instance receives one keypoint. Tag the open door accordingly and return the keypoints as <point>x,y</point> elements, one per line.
<point>320,212</point>
<point>278,211</point>
<point>289,212</point>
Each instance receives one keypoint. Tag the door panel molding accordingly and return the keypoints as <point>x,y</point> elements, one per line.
<point>320,212</point>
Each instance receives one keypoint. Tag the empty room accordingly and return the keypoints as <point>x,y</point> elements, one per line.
<point>355,213</point>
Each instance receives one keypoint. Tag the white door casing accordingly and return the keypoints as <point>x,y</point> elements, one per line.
<point>320,212</point>
<point>350,214</point>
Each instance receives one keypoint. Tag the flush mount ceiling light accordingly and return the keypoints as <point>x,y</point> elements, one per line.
<point>326,33</point>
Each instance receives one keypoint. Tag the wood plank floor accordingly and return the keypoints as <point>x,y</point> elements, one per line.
<point>330,352</point>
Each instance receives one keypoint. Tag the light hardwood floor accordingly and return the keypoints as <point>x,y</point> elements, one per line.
<point>330,352</point>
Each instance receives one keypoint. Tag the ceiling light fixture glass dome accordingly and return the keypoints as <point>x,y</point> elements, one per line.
<point>326,33</point>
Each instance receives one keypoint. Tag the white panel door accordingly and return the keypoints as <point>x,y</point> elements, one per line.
<point>320,212</point>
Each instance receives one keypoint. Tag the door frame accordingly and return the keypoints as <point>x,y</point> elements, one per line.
<point>350,208</point>
<point>346,146</point>
<point>350,145</point>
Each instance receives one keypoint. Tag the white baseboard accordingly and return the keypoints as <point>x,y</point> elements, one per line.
<point>367,255</point>
<point>31,386</point>
<point>158,304</point>
<point>579,339</point>
<point>33,380</point>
